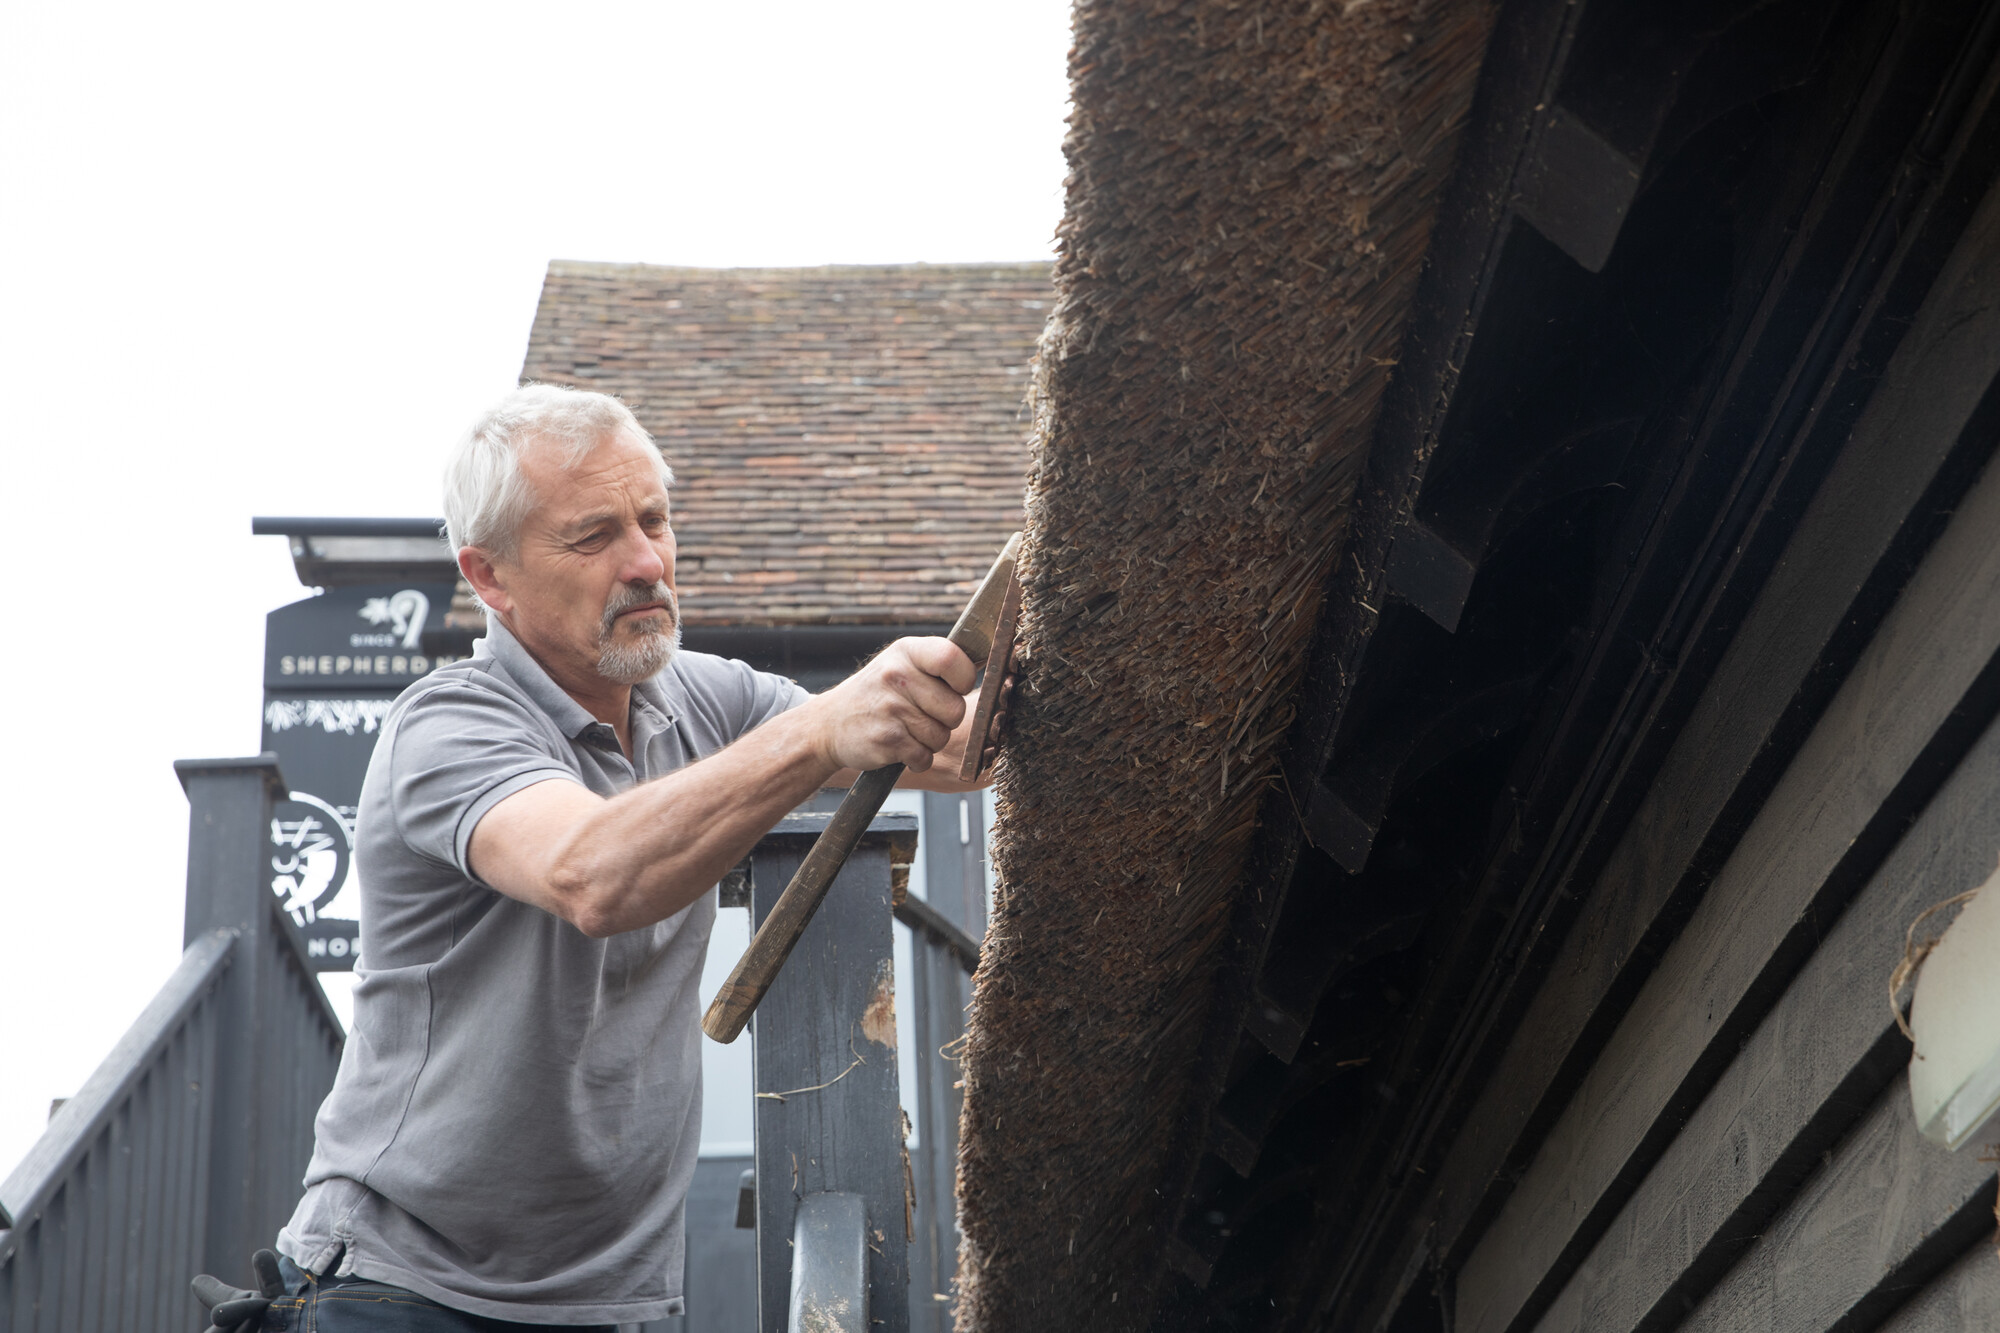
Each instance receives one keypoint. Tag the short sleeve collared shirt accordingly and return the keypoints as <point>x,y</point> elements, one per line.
<point>517,1112</point>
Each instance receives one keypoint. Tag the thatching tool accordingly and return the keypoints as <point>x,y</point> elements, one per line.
<point>737,1000</point>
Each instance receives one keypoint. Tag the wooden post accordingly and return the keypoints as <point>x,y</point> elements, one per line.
<point>940,988</point>
<point>828,1119</point>
<point>229,816</point>
<point>830,1266</point>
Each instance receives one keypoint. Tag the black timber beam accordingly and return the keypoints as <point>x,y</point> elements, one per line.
<point>1897,190</point>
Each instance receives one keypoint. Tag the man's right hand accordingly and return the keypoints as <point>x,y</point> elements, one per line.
<point>901,708</point>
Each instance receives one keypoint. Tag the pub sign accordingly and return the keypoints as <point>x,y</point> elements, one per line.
<point>333,664</point>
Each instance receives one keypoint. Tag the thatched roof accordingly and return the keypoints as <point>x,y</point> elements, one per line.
<point>849,442</point>
<point>1251,192</point>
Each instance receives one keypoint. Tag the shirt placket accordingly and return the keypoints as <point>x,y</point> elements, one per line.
<point>649,727</point>
<point>602,743</point>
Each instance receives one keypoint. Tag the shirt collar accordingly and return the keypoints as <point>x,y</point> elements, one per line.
<point>655,692</point>
<point>501,645</point>
<point>569,715</point>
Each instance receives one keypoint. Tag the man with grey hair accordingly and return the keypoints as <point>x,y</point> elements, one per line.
<point>516,1117</point>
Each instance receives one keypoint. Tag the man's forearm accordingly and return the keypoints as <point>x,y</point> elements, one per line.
<point>612,865</point>
<point>651,851</point>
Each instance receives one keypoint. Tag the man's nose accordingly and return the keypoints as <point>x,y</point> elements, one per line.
<point>642,561</point>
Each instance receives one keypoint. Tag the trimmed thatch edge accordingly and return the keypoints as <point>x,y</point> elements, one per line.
<point>1250,200</point>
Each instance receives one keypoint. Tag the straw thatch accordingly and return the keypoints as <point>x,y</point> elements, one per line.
<point>1251,192</point>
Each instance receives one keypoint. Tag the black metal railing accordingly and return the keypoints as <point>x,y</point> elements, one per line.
<point>184,1151</point>
<point>100,1198</point>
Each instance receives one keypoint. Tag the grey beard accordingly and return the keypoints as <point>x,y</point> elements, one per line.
<point>630,663</point>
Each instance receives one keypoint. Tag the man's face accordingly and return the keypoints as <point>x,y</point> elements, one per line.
<point>591,588</point>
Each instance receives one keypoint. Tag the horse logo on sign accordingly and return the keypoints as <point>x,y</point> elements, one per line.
<point>311,851</point>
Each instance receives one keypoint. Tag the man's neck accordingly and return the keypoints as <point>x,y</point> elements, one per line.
<point>606,700</point>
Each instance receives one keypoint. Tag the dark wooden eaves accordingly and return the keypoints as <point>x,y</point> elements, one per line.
<point>1678,491</point>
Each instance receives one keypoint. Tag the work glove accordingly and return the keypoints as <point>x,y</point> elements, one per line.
<point>234,1310</point>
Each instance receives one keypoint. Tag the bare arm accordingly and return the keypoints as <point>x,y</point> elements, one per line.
<point>611,865</point>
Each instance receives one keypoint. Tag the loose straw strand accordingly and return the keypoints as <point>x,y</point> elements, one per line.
<point>821,1087</point>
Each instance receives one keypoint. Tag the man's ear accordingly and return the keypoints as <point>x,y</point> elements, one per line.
<point>485,579</point>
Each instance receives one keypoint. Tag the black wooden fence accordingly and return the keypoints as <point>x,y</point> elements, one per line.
<point>184,1150</point>
<point>945,924</point>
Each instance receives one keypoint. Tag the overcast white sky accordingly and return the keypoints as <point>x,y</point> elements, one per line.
<point>272,258</point>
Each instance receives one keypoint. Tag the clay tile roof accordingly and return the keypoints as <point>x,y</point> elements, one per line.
<point>850,442</point>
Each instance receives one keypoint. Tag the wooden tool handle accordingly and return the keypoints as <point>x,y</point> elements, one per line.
<point>730,1011</point>
<point>758,967</point>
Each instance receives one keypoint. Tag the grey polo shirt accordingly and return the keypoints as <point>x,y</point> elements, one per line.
<point>516,1117</point>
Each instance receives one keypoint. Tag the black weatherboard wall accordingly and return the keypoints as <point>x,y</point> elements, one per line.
<point>1653,705</point>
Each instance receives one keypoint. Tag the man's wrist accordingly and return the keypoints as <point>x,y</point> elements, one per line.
<point>817,735</point>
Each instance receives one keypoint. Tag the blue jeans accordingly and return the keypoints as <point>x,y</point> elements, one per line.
<point>314,1304</point>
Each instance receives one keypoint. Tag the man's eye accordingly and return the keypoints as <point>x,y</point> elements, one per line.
<point>654,524</point>
<point>591,541</point>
